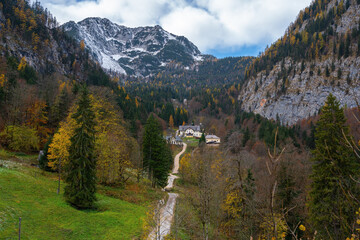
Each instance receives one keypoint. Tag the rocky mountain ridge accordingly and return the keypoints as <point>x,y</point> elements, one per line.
<point>140,51</point>
<point>294,89</point>
<point>306,91</point>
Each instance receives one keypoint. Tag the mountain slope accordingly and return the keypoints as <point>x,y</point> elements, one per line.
<point>31,32</point>
<point>135,51</point>
<point>37,60</point>
<point>318,55</point>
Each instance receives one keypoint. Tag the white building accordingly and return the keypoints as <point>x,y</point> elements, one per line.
<point>212,139</point>
<point>197,134</point>
<point>190,131</point>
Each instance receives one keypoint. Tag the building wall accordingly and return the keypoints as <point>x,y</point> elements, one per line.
<point>212,140</point>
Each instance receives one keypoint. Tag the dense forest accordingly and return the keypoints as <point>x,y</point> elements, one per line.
<point>270,188</point>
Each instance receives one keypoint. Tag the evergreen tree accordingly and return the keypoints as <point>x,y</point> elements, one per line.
<point>156,154</point>
<point>202,138</point>
<point>60,108</point>
<point>327,72</point>
<point>81,170</point>
<point>43,160</point>
<point>246,137</point>
<point>332,206</point>
<point>249,187</point>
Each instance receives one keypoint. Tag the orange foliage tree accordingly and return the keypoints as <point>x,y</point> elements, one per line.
<point>36,117</point>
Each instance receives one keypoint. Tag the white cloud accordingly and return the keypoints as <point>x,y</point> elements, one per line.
<point>196,24</point>
<point>209,24</point>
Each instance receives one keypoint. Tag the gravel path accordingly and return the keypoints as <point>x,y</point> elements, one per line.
<point>167,211</point>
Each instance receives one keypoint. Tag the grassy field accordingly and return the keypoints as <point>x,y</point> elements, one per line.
<point>191,142</point>
<point>29,193</point>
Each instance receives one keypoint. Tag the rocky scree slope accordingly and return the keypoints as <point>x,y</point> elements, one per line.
<point>140,51</point>
<point>318,55</point>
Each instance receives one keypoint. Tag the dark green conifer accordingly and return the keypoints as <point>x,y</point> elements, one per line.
<point>332,206</point>
<point>202,138</point>
<point>81,170</point>
<point>43,159</point>
<point>156,154</point>
<point>59,110</point>
<point>246,136</point>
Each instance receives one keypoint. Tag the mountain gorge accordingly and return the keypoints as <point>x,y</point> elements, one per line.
<point>318,55</point>
<point>137,51</point>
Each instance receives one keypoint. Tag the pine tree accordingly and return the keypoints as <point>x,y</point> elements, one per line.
<point>331,206</point>
<point>246,137</point>
<point>60,107</point>
<point>81,170</point>
<point>156,157</point>
<point>202,138</point>
<point>327,72</point>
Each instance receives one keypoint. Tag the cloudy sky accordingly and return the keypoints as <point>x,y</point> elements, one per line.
<point>219,27</point>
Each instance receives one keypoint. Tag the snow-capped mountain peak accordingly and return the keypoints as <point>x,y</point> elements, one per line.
<point>140,51</point>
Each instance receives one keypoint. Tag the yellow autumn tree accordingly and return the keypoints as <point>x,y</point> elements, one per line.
<point>112,156</point>
<point>233,203</point>
<point>82,45</point>
<point>61,143</point>
<point>171,121</point>
<point>273,227</point>
<point>22,64</point>
<point>35,39</point>
<point>112,143</point>
<point>3,80</point>
<point>186,168</point>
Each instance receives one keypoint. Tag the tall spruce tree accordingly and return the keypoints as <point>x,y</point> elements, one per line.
<point>332,205</point>
<point>81,170</point>
<point>202,138</point>
<point>156,154</point>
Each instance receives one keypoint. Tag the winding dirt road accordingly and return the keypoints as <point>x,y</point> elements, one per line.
<point>167,211</point>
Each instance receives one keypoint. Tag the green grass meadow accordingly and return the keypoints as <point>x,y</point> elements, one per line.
<point>31,194</point>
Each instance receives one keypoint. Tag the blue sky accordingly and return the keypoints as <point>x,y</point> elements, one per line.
<point>218,27</point>
<point>237,51</point>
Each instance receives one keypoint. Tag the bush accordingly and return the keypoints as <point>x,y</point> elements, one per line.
<point>20,138</point>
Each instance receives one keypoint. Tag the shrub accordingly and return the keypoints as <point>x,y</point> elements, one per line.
<point>20,138</point>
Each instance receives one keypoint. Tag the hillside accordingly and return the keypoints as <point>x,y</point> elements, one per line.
<point>53,218</point>
<point>36,59</point>
<point>318,55</point>
<point>30,32</point>
<point>140,51</point>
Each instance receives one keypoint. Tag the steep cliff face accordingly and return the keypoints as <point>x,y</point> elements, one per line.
<point>313,62</point>
<point>306,91</point>
<point>138,51</point>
